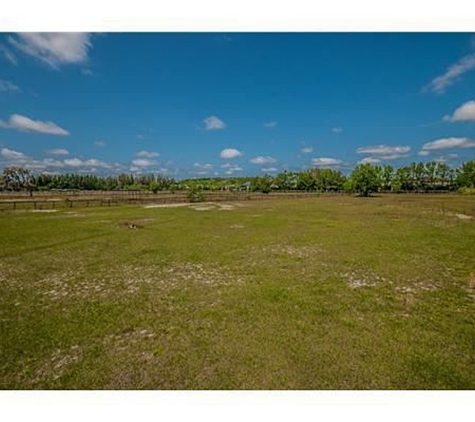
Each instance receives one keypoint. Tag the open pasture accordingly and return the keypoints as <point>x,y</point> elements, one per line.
<point>330,292</point>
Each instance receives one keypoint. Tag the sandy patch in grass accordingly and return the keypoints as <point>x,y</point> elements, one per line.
<point>463,216</point>
<point>207,206</point>
<point>43,210</point>
<point>356,279</point>
<point>203,207</point>
<point>122,341</point>
<point>179,204</point>
<point>295,251</point>
<point>51,368</point>
<point>73,285</point>
<point>198,274</point>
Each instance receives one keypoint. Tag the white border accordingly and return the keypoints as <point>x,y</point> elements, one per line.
<point>243,15</point>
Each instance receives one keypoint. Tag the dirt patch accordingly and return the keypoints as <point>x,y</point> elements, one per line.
<point>203,208</point>
<point>464,217</point>
<point>179,204</point>
<point>236,226</point>
<point>417,287</point>
<point>295,251</point>
<point>131,225</point>
<point>461,216</point>
<point>358,278</point>
<point>43,210</point>
<point>199,274</point>
<point>52,368</point>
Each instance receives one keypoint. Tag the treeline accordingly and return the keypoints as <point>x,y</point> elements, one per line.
<point>365,178</point>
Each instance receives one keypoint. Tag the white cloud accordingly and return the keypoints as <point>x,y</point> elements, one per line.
<point>10,154</point>
<point>214,123</point>
<point>386,151</point>
<point>87,72</point>
<point>8,86</point>
<point>263,160</point>
<point>233,169</point>
<point>54,49</point>
<point>226,165</point>
<point>337,130</point>
<point>307,150</point>
<point>92,162</point>
<point>147,154</point>
<point>423,153</point>
<point>25,124</point>
<point>325,162</point>
<point>270,125</point>
<point>445,158</point>
<point>73,162</point>
<point>143,162</point>
<point>446,143</point>
<point>369,160</point>
<point>464,113</point>
<point>139,136</point>
<point>230,153</point>
<point>203,166</point>
<point>58,151</point>
<point>269,170</point>
<point>50,162</point>
<point>452,74</point>
<point>9,56</point>
<point>100,144</point>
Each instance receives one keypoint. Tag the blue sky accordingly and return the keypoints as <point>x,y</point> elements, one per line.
<point>215,104</point>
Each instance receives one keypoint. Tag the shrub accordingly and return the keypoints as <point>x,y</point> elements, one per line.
<point>195,195</point>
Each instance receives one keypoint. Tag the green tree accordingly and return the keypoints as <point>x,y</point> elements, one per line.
<point>17,179</point>
<point>365,179</point>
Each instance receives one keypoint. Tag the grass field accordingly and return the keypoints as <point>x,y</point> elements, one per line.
<point>322,293</point>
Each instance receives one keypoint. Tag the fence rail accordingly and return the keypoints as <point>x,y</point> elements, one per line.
<point>113,200</point>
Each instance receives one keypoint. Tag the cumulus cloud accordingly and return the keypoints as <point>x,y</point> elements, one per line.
<point>214,123</point>
<point>92,162</point>
<point>143,162</point>
<point>233,169</point>
<point>228,153</point>
<point>337,130</point>
<point>147,154</point>
<point>203,166</point>
<point>307,150</point>
<point>423,153</point>
<point>263,160</point>
<point>269,170</point>
<point>6,86</point>
<point>385,151</point>
<point>325,162</point>
<point>369,160</point>
<point>446,143</point>
<point>11,154</point>
<point>25,124</point>
<point>270,125</point>
<point>49,164</point>
<point>445,158</point>
<point>58,151</point>
<point>54,49</point>
<point>451,75</point>
<point>464,113</point>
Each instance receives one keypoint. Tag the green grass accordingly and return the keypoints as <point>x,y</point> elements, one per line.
<point>325,293</point>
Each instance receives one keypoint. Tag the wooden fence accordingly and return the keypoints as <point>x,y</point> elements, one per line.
<point>114,200</point>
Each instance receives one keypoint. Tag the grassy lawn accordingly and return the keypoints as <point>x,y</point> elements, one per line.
<point>323,293</point>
